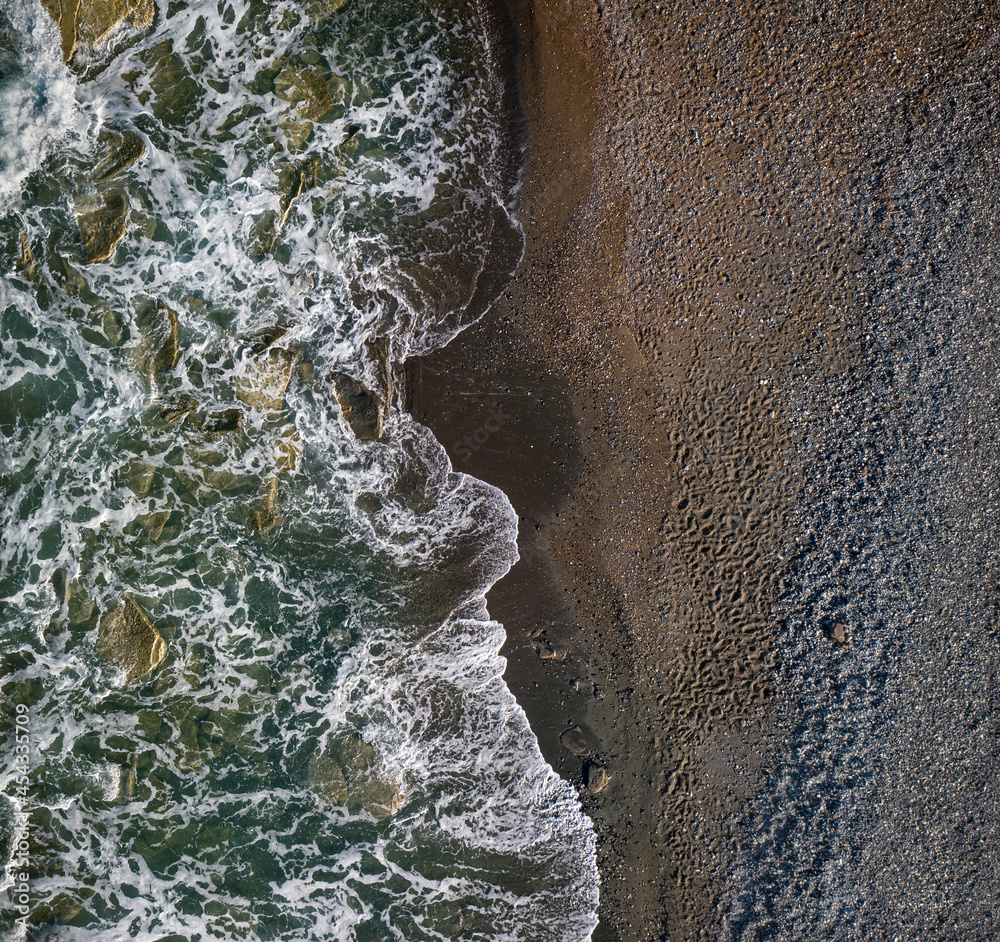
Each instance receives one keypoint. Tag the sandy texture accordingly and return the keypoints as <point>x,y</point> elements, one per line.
<point>711,206</point>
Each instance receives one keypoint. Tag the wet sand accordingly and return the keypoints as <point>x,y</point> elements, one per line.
<point>698,252</point>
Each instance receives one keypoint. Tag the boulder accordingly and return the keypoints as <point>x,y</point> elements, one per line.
<point>122,147</point>
<point>128,641</point>
<point>266,377</point>
<point>93,22</point>
<point>159,351</point>
<point>101,220</point>
<point>363,409</point>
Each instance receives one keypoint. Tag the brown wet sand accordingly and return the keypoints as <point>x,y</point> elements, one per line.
<point>690,257</point>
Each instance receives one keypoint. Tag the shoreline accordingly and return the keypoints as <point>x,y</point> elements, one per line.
<point>721,206</point>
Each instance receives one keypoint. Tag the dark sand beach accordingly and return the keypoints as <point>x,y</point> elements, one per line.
<point>713,208</point>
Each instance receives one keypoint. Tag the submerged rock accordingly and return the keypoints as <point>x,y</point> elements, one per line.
<point>224,422</point>
<point>176,410</point>
<point>101,221</point>
<point>263,514</point>
<point>128,641</point>
<point>137,475</point>
<point>266,227</point>
<point>60,585</point>
<point>25,263</point>
<point>363,409</point>
<point>287,451</point>
<point>159,351</point>
<point>350,774</point>
<point>307,90</point>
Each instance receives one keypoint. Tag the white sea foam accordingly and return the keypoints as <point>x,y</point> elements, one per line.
<point>38,104</point>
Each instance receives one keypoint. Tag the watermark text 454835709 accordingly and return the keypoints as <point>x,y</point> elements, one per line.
<point>17,873</point>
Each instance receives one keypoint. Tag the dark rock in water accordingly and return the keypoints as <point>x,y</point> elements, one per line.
<point>159,351</point>
<point>363,409</point>
<point>101,222</point>
<point>124,148</point>
<point>595,778</point>
<point>60,585</point>
<point>220,423</point>
<point>93,22</point>
<point>264,510</point>
<point>176,410</point>
<point>128,641</point>
<point>137,476</point>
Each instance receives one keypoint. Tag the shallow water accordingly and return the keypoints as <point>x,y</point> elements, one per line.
<point>328,749</point>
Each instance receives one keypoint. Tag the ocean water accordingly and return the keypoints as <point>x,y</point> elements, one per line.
<point>328,749</point>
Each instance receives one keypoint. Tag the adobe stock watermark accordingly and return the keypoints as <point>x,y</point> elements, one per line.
<point>18,869</point>
<point>471,443</point>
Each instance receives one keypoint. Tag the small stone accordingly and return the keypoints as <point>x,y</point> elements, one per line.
<point>595,778</point>
<point>128,641</point>
<point>575,740</point>
<point>363,409</point>
<point>101,221</point>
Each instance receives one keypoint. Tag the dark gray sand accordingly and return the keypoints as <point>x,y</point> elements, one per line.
<point>743,394</point>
